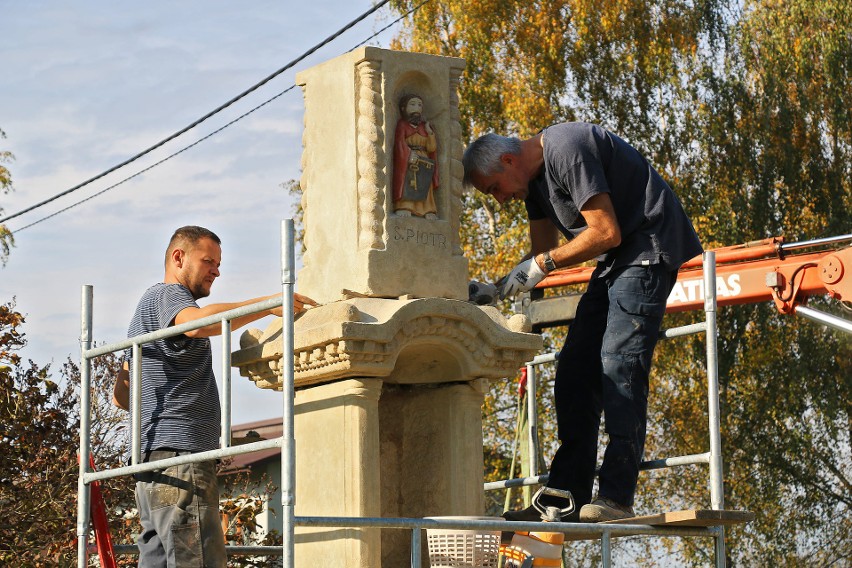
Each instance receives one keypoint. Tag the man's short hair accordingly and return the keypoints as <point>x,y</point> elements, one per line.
<point>483,155</point>
<point>189,236</point>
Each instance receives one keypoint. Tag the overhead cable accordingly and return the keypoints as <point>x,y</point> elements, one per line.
<point>203,118</point>
<point>182,150</point>
<point>154,165</point>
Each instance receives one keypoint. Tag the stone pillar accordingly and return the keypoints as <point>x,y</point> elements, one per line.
<point>428,469</point>
<point>389,413</point>
<point>337,470</point>
<point>390,370</point>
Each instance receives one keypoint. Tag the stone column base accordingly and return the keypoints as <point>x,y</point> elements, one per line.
<point>337,471</point>
<point>368,449</point>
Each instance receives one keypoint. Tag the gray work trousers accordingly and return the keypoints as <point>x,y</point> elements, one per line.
<point>179,512</point>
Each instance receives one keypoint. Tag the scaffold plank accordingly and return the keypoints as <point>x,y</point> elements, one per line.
<point>690,518</point>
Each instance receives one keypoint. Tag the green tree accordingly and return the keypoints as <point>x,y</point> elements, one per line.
<point>775,150</point>
<point>37,455</point>
<point>39,421</point>
<point>744,110</point>
<point>6,238</point>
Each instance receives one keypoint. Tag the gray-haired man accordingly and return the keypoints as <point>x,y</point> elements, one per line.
<point>592,187</point>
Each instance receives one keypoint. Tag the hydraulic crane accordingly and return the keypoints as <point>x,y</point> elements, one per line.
<point>765,270</point>
<point>758,271</point>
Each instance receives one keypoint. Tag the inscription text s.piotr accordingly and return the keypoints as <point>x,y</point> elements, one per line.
<point>416,236</point>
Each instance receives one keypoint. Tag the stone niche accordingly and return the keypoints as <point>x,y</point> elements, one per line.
<point>353,239</point>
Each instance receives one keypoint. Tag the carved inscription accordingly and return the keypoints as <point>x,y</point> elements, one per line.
<point>438,240</point>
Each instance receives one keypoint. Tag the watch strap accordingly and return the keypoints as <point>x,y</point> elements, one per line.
<point>549,265</point>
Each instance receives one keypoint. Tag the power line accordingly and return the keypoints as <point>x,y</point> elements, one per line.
<point>387,27</point>
<point>203,118</point>
<point>182,150</point>
<point>154,165</point>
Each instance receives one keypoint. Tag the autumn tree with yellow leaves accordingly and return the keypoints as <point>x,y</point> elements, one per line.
<point>744,109</point>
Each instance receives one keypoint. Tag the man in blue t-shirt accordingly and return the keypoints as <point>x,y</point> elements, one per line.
<point>590,186</point>
<point>180,411</point>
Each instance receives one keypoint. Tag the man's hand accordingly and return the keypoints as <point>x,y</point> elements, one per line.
<point>299,303</point>
<point>523,277</point>
<point>121,390</point>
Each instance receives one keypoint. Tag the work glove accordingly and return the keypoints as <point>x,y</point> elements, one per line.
<point>481,293</point>
<point>523,277</point>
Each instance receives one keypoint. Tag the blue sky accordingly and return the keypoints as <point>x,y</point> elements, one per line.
<point>86,85</point>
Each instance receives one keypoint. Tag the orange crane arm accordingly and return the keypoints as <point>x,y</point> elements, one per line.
<point>787,282</point>
<point>752,272</point>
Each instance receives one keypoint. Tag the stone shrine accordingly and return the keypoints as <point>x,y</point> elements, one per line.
<point>391,369</point>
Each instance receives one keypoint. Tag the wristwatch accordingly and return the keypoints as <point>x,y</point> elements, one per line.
<point>549,265</point>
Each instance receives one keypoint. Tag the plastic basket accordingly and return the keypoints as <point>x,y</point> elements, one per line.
<point>457,548</point>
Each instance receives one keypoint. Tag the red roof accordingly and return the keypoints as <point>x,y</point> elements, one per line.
<point>267,429</point>
<point>243,461</point>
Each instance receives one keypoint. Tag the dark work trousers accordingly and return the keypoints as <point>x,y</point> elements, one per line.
<point>604,367</point>
<point>179,513</point>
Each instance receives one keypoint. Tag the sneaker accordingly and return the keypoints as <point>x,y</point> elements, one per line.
<point>603,509</point>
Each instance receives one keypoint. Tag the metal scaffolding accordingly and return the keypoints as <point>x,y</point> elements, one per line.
<point>287,441</point>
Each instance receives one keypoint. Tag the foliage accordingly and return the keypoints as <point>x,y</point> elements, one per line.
<point>39,422</point>
<point>242,499</point>
<point>744,110</point>
<point>39,419</point>
<point>37,456</point>
<point>7,240</point>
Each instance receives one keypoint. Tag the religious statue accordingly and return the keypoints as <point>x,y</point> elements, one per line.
<point>415,163</point>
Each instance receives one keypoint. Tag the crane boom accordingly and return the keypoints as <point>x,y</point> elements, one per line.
<point>756,271</point>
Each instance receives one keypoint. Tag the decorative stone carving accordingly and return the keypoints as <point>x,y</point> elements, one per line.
<point>354,240</point>
<point>391,369</point>
<point>428,340</point>
<point>371,156</point>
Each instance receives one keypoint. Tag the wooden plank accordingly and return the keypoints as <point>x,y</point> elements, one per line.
<point>690,518</point>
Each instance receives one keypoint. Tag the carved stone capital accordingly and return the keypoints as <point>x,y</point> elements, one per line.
<point>429,340</point>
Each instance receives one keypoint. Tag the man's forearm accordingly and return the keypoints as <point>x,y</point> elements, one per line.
<point>586,246</point>
<point>213,309</point>
<point>602,233</point>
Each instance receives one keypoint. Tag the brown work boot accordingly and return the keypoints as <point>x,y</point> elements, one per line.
<point>603,509</point>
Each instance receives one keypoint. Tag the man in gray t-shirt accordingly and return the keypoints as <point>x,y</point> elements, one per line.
<point>179,506</point>
<point>597,191</point>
